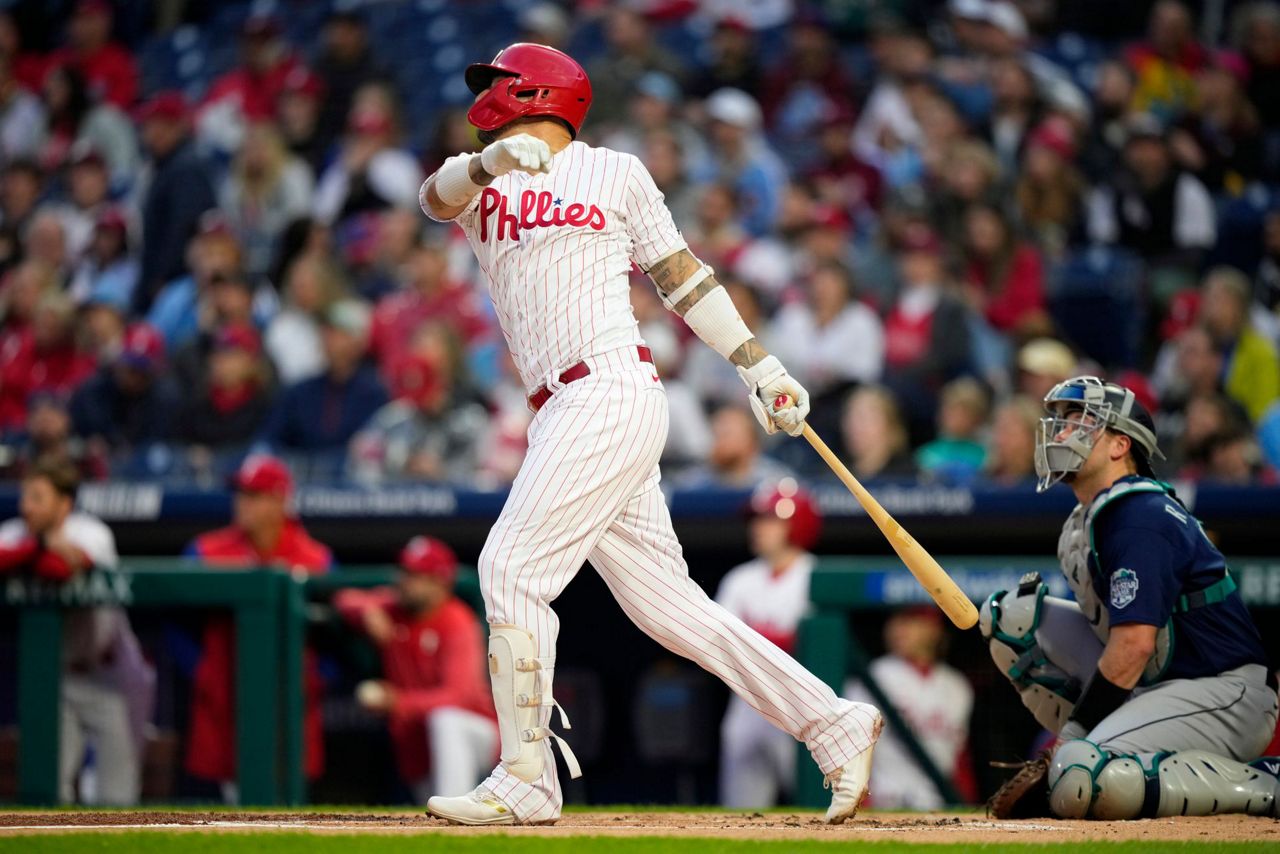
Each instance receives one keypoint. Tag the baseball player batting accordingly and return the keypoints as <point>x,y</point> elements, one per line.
<point>555,225</point>
<point>1154,680</point>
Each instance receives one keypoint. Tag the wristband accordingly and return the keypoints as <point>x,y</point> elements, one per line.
<point>715,320</point>
<point>1097,701</point>
<point>672,299</point>
<point>453,182</point>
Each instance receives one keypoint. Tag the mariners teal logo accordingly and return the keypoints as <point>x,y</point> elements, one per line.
<point>1124,587</point>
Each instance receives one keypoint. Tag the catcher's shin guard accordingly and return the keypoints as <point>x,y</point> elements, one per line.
<point>1085,781</point>
<point>521,687</point>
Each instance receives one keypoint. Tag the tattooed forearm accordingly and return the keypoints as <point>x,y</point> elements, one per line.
<point>673,271</point>
<point>748,354</point>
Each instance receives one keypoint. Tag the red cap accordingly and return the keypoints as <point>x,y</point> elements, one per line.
<point>429,556</point>
<point>263,473</point>
<point>789,502</point>
<point>370,121</point>
<point>301,80</point>
<point>238,336</point>
<point>112,218</point>
<point>168,105</point>
<point>1055,134</point>
<point>415,378</point>
<point>921,238</point>
<point>143,347</point>
<point>1184,308</point>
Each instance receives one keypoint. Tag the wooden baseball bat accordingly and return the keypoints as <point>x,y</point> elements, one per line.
<point>932,577</point>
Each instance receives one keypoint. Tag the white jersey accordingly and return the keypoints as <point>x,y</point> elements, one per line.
<point>89,634</point>
<point>557,250</point>
<point>936,704</point>
<point>772,604</point>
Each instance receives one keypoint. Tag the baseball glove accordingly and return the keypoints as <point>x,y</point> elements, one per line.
<point>1026,793</point>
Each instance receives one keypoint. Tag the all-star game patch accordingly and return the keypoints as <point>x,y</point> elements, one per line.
<point>1124,587</point>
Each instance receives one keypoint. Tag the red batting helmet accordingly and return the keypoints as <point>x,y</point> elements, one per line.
<point>558,86</point>
<point>788,501</point>
<point>429,556</point>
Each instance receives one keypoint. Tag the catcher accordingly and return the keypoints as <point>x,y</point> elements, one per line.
<point>1154,680</point>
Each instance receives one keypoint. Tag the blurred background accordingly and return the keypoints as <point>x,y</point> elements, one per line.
<point>211,248</point>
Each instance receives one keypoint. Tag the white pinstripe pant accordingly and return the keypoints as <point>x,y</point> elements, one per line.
<point>588,490</point>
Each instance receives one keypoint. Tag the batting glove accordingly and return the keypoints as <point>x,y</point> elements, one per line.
<point>522,151</point>
<point>767,381</point>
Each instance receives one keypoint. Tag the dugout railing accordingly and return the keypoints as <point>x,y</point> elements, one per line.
<point>269,608</point>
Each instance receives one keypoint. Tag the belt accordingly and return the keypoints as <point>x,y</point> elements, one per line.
<point>573,373</point>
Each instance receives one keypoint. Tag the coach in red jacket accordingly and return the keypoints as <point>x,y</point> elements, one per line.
<point>263,533</point>
<point>435,692</point>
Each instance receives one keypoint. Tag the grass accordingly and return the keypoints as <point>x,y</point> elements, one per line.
<point>156,842</point>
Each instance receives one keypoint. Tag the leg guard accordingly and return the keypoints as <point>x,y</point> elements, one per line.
<point>521,687</point>
<point>1085,781</point>
<point>1008,620</point>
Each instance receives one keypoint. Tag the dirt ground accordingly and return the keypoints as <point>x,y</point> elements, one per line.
<point>884,826</point>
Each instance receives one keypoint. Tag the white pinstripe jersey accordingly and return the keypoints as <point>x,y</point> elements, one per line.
<point>557,250</point>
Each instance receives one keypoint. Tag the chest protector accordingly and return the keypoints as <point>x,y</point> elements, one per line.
<point>1075,547</point>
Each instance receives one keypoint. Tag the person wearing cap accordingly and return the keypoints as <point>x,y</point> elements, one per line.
<point>429,431</point>
<point>249,92</point>
<point>373,171</point>
<point>740,157</point>
<point>263,533</point>
<point>1049,190</point>
<point>77,120</point>
<point>1043,363</point>
<point>107,687</point>
<point>926,329</point>
<point>129,403</point>
<point>770,593</point>
<point>433,692</point>
<point>933,699</point>
<point>227,406</point>
<point>179,192</point>
<point>1151,206</point>
<point>1156,657</point>
<point>108,271</point>
<point>108,67</point>
<point>323,413</point>
<point>345,63</point>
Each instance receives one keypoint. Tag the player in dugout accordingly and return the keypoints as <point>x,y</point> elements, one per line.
<point>263,532</point>
<point>1154,680</point>
<point>434,690</point>
<point>770,594</point>
<point>108,688</point>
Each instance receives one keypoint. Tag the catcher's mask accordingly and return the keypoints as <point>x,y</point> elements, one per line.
<point>1079,410</point>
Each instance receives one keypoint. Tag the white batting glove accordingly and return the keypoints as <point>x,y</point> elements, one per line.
<point>767,381</point>
<point>522,151</point>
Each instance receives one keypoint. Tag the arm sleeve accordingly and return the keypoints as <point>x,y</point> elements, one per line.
<point>462,662</point>
<point>653,232</point>
<point>1140,570</point>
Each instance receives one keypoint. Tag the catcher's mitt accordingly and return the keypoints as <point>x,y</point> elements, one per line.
<point>1026,793</point>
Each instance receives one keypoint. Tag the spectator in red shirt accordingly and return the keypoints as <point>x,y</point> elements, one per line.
<point>263,533</point>
<point>434,692</point>
<point>47,360</point>
<point>108,67</point>
<point>250,91</point>
<point>430,295</point>
<point>1004,276</point>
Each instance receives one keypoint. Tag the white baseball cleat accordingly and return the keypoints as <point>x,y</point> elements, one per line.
<point>476,807</point>
<point>849,785</point>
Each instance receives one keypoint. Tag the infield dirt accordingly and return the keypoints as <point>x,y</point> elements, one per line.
<point>773,826</point>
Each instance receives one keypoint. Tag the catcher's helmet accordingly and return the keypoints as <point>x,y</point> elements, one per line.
<point>1079,410</point>
<point>556,84</point>
<point>789,502</point>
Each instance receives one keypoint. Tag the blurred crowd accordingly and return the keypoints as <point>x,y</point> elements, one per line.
<point>932,212</point>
